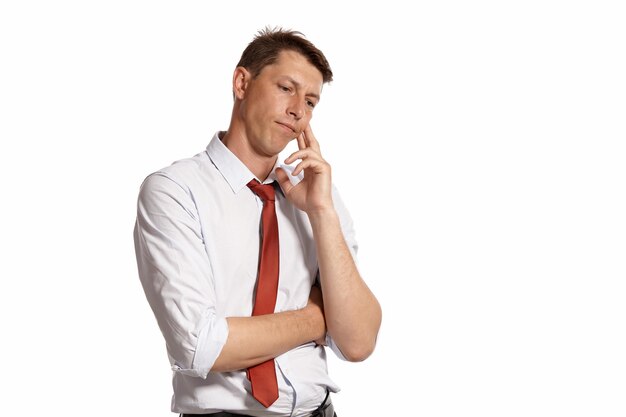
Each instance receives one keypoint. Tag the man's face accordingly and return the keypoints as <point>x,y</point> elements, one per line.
<point>278,104</point>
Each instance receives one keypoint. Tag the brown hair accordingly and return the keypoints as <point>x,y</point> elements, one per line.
<point>268,43</point>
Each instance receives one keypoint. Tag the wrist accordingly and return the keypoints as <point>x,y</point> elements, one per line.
<point>322,214</point>
<point>315,321</point>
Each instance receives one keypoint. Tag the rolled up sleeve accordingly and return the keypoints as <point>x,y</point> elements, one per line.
<point>175,272</point>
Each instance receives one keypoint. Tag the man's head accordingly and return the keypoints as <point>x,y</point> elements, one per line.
<point>267,45</point>
<point>276,85</point>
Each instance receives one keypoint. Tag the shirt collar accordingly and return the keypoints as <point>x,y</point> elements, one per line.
<point>235,172</point>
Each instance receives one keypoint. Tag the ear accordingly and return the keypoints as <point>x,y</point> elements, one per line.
<point>241,79</point>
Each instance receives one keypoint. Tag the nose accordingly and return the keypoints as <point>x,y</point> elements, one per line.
<point>296,108</point>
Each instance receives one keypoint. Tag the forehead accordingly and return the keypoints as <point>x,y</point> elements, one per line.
<point>291,64</point>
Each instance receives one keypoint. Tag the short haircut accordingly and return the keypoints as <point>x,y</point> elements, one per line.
<point>268,43</point>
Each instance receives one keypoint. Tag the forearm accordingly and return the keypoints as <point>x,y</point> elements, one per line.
<point>353,315</point>
<point>252,340</point>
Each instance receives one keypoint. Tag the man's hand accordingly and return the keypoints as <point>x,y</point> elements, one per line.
<point>313,193</point>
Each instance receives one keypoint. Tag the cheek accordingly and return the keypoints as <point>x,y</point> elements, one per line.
<point>255,112</point>
<point>307,118</point>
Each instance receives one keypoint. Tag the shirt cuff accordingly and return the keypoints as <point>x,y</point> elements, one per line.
<point>333,346</point>
<point>211,339</point>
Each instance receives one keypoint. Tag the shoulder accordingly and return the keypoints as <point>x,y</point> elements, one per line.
<point>177,182</point>
<point>183,173</point>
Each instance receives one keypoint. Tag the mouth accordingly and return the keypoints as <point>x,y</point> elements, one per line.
<point>288,127</point>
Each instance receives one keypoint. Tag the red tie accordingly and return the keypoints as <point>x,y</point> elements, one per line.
<point>263,376</point>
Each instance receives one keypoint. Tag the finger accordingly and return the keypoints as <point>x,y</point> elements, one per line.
<point>301,141</point>
<point>283,180</point>
<point>302,154</point>
<point>316,165</point>
<point>321,342</point>
<point>310,140</point>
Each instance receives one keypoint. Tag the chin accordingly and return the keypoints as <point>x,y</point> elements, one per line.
<point>283,142</point>
<point>274,148</point>
<point>279,149</point>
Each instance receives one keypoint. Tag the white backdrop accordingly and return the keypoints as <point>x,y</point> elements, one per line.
<point>479,146</point>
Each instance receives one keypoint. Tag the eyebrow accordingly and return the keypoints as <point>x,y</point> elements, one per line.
<point>298,85</point>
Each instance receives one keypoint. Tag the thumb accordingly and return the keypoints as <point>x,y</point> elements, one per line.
<point>283,180</point>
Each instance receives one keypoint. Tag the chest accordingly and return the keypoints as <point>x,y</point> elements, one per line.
<point>231,233</point>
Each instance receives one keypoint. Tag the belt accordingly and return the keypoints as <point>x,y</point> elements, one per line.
<point>325,409</point>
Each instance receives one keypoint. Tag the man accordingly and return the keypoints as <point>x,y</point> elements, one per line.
<point>249,280</point>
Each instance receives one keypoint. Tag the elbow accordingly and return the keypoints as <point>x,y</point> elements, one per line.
<point>358,344</point>
<point>358,352</point>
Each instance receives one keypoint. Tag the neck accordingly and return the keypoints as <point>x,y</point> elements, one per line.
<point>260,165</point>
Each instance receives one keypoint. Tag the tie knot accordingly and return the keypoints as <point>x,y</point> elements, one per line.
<point>265,192</point>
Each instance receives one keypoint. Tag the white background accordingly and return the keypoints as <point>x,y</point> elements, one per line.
<point>479,146</point>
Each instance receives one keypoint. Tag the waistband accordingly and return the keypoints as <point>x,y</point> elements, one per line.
<point>325,409</point>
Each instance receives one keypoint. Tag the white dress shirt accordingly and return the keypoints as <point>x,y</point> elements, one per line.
<point>197,243</point>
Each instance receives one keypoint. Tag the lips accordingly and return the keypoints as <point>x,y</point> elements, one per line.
<point>288,126</point>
